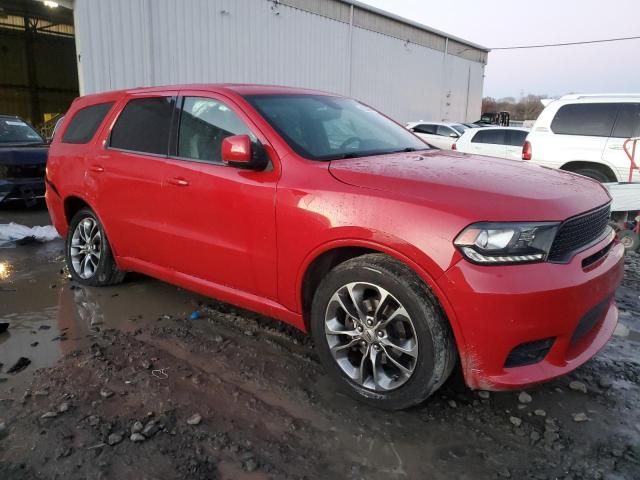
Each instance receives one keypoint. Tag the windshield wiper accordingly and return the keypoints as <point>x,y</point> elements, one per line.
<point>408,150</point>
<point>374,153</point>
<point>346,155</point>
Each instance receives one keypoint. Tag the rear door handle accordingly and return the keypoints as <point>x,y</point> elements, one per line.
<point>180,182</point>
<point>615,147</point>
<point>96,168</point>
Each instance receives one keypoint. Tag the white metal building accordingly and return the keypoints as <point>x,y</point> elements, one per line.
<point>405,69</point>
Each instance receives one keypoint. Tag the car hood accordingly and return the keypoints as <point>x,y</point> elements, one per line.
<point>23,154</point>
<point>477,188</point>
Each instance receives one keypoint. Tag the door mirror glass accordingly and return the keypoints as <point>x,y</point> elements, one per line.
<point>236,150</point>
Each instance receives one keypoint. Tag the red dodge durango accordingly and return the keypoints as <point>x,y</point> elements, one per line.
<point>316,209</point>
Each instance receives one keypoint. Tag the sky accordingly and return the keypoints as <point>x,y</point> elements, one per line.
<point>600,68</point>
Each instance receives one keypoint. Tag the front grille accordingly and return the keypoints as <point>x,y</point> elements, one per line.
<point>25,171</point>
<point>578,232</point>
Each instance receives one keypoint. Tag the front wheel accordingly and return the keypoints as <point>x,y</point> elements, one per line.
<point>380,333</point>
<point>88,253</point>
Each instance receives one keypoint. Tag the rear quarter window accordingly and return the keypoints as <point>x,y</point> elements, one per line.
<point>516,138</point>
<point>85,123</point>
<point>585,119</point>
<point>495,137</point>
<point>628,122</point>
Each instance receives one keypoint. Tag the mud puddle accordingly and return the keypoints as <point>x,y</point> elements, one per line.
<point>126,383</point>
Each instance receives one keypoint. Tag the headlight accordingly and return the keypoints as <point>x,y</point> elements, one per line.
<point>499,243</point>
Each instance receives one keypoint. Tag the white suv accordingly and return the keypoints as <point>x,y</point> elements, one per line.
<point>585,134</point>
<point>501,142</point>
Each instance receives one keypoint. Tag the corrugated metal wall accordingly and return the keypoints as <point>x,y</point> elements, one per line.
<point>128,43</point>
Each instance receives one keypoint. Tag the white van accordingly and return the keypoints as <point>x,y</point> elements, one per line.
<point>585,134</point>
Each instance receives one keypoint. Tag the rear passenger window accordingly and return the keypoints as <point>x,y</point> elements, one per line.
<point>587,119</point>
<point>495,137</point>
<point>204,123</point>
<point>444,131</point>
<point>516,138</point>
<point>628,122</point>
<point>144,125</point>
<point>85,123</point>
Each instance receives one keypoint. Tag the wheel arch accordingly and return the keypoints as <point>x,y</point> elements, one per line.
<point>73,204</point>
<point>331,254</point>
<point>606,169</point>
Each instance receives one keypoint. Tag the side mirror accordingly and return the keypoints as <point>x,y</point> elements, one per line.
<point>454,135</point>
<point>236,151</point>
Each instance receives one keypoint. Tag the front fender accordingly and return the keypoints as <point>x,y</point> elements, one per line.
<point>428,270</point>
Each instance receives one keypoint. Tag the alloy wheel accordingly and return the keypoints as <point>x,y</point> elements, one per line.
<point>86,248</point>
<point>371,336</point>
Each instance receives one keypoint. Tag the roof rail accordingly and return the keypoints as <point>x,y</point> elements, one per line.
<point>576,96</point>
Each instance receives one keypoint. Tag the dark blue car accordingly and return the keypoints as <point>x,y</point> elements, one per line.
<point>23,158</point>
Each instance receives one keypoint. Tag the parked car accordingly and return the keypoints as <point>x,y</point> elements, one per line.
<point>23,158</point>
<point>501,142</point>
<point>585,134</point>
<point>319,211</point>
<point>438,134</point>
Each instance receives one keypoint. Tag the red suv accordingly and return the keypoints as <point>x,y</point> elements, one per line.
<point>319,211</point>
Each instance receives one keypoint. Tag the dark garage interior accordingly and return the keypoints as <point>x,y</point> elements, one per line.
<point>38,73</point>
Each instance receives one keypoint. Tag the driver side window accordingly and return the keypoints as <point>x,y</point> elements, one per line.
<point>204,124</point>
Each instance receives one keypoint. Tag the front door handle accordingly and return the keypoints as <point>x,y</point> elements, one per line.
<point>96,168</point>
<point>615,147</point>
<point>179,182</point>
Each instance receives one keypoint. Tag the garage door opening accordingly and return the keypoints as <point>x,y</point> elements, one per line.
<point>38,70</point>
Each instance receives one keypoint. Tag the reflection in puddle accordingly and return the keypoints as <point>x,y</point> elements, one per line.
<point>50,317</point>
<point>5,270</point>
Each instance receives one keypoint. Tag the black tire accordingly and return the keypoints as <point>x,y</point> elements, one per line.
<point>630,240</point>
<point>106,271</point>
<point>436,353</point>
<point>595,174</point>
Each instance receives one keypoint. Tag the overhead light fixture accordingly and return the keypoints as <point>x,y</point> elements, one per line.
<point>50,4</point>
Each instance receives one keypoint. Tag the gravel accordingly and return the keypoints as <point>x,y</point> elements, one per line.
<point>524,397</point>
<point>577,386</point>
<point>194,419</point>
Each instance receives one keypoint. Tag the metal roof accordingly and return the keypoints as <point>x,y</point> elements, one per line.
<point>361,15</point>
<point>421,26</point>
<point>328,9</point>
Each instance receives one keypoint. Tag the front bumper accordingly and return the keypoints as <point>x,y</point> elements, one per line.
<point>568,308</point>
<point>22,189</point>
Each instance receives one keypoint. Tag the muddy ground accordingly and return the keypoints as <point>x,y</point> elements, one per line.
<point>124,384</point>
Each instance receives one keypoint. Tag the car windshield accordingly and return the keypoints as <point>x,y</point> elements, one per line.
<point>14,130</point>
<point>459,128</point>
<point>322,127</point>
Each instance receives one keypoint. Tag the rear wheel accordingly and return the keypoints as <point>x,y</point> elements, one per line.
<point>595,173</point>
<point>380,333</point>
<point>88,253</point>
